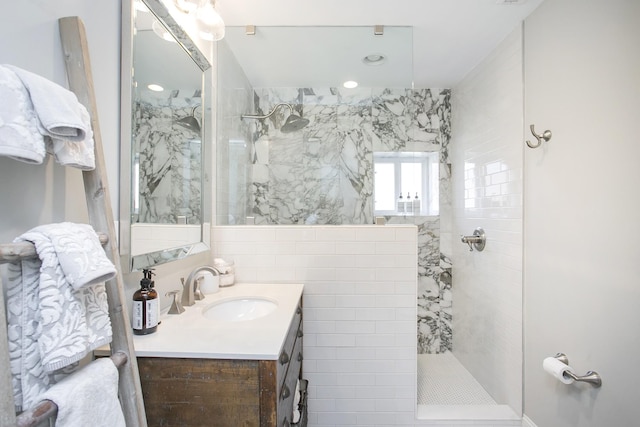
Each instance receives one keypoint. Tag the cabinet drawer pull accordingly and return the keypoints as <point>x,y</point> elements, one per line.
<point>285,392</point>
<point>300,357</point>
<point>300,334</point>
<point>284,358</point>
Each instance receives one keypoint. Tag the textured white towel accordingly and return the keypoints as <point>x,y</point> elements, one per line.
<point>62,120</point>
<point>79,155</point>
<point>57,107</point>
<point>295,416</point>
<point>89,397</point>
<point>56,311</point>
<point>19,134</point>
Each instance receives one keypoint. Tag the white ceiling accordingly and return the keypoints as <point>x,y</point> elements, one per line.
<point>323,56</point>
<point>450,37</point>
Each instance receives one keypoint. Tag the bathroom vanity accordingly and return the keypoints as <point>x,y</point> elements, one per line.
<point>207,370</point>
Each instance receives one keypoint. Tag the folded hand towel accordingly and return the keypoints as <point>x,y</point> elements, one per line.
<point>57,107</point>
<point>295,416</point>
<point>89,397</point>
<point>56,313</point>
<point>80,254</point>
<point>80,155</point>
<point>19,134</point>
<point>296,395</point>
<point>62,120</point>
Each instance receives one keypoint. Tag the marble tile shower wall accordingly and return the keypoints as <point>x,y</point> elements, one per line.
<point>168,156</point>
<point>324,173</point>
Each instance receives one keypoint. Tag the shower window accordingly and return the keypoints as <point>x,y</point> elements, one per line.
<point>412,175</point>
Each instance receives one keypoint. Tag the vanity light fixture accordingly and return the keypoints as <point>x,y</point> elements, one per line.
<point>210,22</point>
<point>186,6</point>
<point>350,84</point>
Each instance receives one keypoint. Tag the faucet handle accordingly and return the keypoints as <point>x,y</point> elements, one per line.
<point>197,293</point>
<point>176,306</point>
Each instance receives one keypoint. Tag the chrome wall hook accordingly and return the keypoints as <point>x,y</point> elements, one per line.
<point>477,241</point>
<point>546,136</point>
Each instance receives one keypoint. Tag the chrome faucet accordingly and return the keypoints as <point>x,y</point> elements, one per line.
<point>191,286</point>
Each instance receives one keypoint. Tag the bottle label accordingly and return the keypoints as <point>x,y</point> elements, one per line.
<point>152,313</point>
<point>136,321</point>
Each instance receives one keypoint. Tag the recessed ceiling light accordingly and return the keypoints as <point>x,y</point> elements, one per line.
<point>374,59</point>
<point>155,88</point>
<point>350,84</point>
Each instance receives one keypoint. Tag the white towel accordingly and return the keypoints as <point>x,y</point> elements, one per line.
<point>19,134</point>
<point>57,107</point>
<point>296,394</point>
<point>79,155</point>
<point>57,312</point>
<point>295,416</point>
<point>89,397</point>
<point>62,120</point>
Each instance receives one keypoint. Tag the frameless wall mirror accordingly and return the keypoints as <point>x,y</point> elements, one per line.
<point>163,190</point>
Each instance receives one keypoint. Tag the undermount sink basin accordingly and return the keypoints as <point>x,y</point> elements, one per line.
<point>239,309</point>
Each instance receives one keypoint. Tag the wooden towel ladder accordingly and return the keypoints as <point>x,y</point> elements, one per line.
<point>78,66</point>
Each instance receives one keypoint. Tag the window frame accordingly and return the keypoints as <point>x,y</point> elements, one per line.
<point>397,159</point>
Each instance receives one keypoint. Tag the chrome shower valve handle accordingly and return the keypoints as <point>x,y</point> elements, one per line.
<point>477,240</point>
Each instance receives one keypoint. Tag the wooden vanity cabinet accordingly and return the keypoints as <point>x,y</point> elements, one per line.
<point>224,392</point>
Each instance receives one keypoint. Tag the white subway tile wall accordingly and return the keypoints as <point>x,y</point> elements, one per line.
<point>359,315</point>
<point>487,154</point>
<point>359,312</point>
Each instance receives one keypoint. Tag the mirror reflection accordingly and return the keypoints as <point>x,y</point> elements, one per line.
<point>166,134</point>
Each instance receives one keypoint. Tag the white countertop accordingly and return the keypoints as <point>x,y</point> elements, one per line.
<point>191,335</point>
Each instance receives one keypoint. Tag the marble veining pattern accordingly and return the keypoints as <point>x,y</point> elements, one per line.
<point>169,156</point>
<point>323,174</point>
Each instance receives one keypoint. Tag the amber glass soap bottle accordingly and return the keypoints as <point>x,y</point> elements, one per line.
<point>144,317</point>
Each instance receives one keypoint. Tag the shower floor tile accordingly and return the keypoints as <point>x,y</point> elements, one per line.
<point>442,380</point>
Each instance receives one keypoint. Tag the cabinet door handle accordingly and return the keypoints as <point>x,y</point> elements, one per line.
<point>284,358</point>
<point>299,357</point>
<point>285,392</point>
<point>300,334</point>
<point>299,310</point>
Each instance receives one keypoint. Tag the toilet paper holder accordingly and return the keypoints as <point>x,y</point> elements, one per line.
<point>591,377</point>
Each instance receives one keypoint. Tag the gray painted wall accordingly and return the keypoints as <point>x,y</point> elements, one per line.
<point>44,194</point>
<point>39,194</point>
<point>582,71</point>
